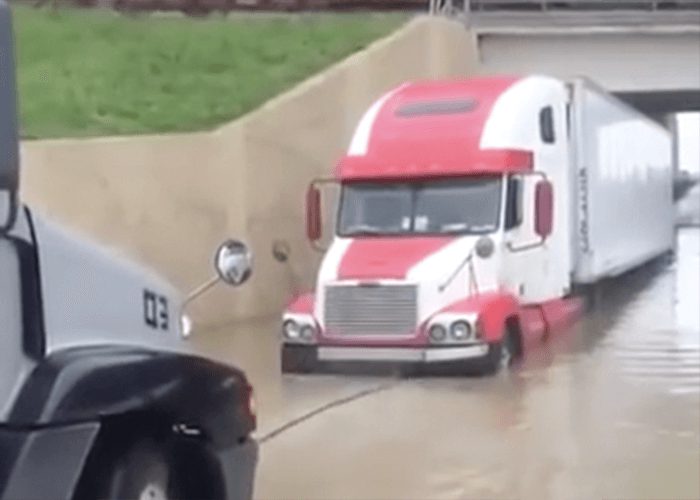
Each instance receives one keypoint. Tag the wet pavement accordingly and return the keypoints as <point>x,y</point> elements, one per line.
<point>610,409</point>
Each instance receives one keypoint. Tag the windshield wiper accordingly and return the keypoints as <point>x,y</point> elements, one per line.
<point>455,228</point>
<point>364,230</point>
<point>464,228</point>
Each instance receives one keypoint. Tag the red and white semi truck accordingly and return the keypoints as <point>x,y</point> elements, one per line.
<point>470,212</point>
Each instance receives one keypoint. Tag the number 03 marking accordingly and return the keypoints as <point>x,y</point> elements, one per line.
<point>155,310</point>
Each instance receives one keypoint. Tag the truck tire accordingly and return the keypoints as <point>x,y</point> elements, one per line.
<point>142,472</point>
<point>501,354</point>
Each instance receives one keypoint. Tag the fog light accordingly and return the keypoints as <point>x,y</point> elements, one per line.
<point>460,330</point>
<point>291,330</point>
<point>438,333</point>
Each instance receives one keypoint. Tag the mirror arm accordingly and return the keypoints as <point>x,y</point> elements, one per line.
<point>541,175</point>
<point>321,181</point>
<point>528,246</point>
<point>448,281</point>
<point>318,247</point>
<point>200,290</point>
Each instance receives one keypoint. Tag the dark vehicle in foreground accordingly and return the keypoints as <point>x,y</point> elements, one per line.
<point>100,394</point>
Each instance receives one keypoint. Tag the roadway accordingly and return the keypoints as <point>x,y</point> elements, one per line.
<point>611,409</point>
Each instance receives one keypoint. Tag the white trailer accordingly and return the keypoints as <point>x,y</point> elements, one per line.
<point>623,185</point>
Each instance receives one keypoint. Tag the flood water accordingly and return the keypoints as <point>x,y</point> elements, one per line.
<point>610,409</point>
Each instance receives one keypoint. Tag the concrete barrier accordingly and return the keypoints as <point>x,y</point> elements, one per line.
<point>168,201</point>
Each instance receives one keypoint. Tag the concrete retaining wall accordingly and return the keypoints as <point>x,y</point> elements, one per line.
<point>169,200</point>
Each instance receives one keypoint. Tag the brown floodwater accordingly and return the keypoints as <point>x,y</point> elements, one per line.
<point>610,409</point>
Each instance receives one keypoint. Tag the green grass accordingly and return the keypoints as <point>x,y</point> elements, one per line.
<point>88,73</point>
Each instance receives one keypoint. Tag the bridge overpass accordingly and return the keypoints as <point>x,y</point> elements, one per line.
<point>645,51</point>
<point>648,52</point>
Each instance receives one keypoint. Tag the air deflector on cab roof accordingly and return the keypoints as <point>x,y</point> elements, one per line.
<point>9,149</point>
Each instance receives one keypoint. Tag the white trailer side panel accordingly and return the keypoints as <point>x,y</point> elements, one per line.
<point>622,187</point>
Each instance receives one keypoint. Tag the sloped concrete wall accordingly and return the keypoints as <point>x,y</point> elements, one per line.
<point>169,200</point>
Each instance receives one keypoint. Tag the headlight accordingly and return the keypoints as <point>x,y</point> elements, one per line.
<point>307,332</point>
<point>437,333</point>
<point>291,330</point>
<point>185,325</point>
<point>460,330</point>
<point>298,331</point>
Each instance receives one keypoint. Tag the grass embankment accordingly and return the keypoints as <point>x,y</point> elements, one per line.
<point>88,73</point>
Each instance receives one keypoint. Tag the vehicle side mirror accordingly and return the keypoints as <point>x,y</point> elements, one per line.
<point>9,135</point>
<point>234,265</point>
<point>544,209</point>
<point>313,213</point>
<point>234,262</point>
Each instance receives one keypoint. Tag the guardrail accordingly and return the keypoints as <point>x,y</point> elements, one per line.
<point>476,6</point>
<point>544,5</point>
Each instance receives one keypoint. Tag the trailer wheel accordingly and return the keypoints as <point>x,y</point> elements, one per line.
<point>142,472</point>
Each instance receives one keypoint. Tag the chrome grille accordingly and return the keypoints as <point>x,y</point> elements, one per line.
<point>370,310</point>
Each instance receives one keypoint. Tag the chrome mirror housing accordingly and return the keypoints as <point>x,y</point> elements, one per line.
<point>234,262</point>
<point>234,265</point>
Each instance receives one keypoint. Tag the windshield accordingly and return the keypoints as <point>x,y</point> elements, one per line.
<point>461,206</point>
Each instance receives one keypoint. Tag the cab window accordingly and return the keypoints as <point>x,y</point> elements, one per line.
<point>514,202</point>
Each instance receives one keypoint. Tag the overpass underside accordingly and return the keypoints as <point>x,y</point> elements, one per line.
<point>657,70</point>
<point>647,52</point>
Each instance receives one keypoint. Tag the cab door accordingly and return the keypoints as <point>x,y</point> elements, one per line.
<point>524,254</point>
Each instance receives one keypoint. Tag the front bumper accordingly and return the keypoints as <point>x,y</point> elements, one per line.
<point>303,358</point>
<point>43,463</point>
<point>402,354</point>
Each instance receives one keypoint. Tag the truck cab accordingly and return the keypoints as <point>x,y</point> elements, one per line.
<point>101,394</point>
<point>454,240</point>
<point>449,236</point>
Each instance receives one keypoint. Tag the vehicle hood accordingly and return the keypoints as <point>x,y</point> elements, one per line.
<point>386,258</point>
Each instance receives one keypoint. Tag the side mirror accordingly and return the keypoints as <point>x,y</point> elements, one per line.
<point>234,265</point>
<point>234,262</point>
<point>544,209</point>
<point>9,136</point>
<point>313,213</point>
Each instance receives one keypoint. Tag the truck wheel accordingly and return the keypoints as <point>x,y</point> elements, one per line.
<point>501,354</point>
<point>142,473</point>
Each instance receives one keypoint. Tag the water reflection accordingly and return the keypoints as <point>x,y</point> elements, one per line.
<point>611,409</point>
<point>687,290</point>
